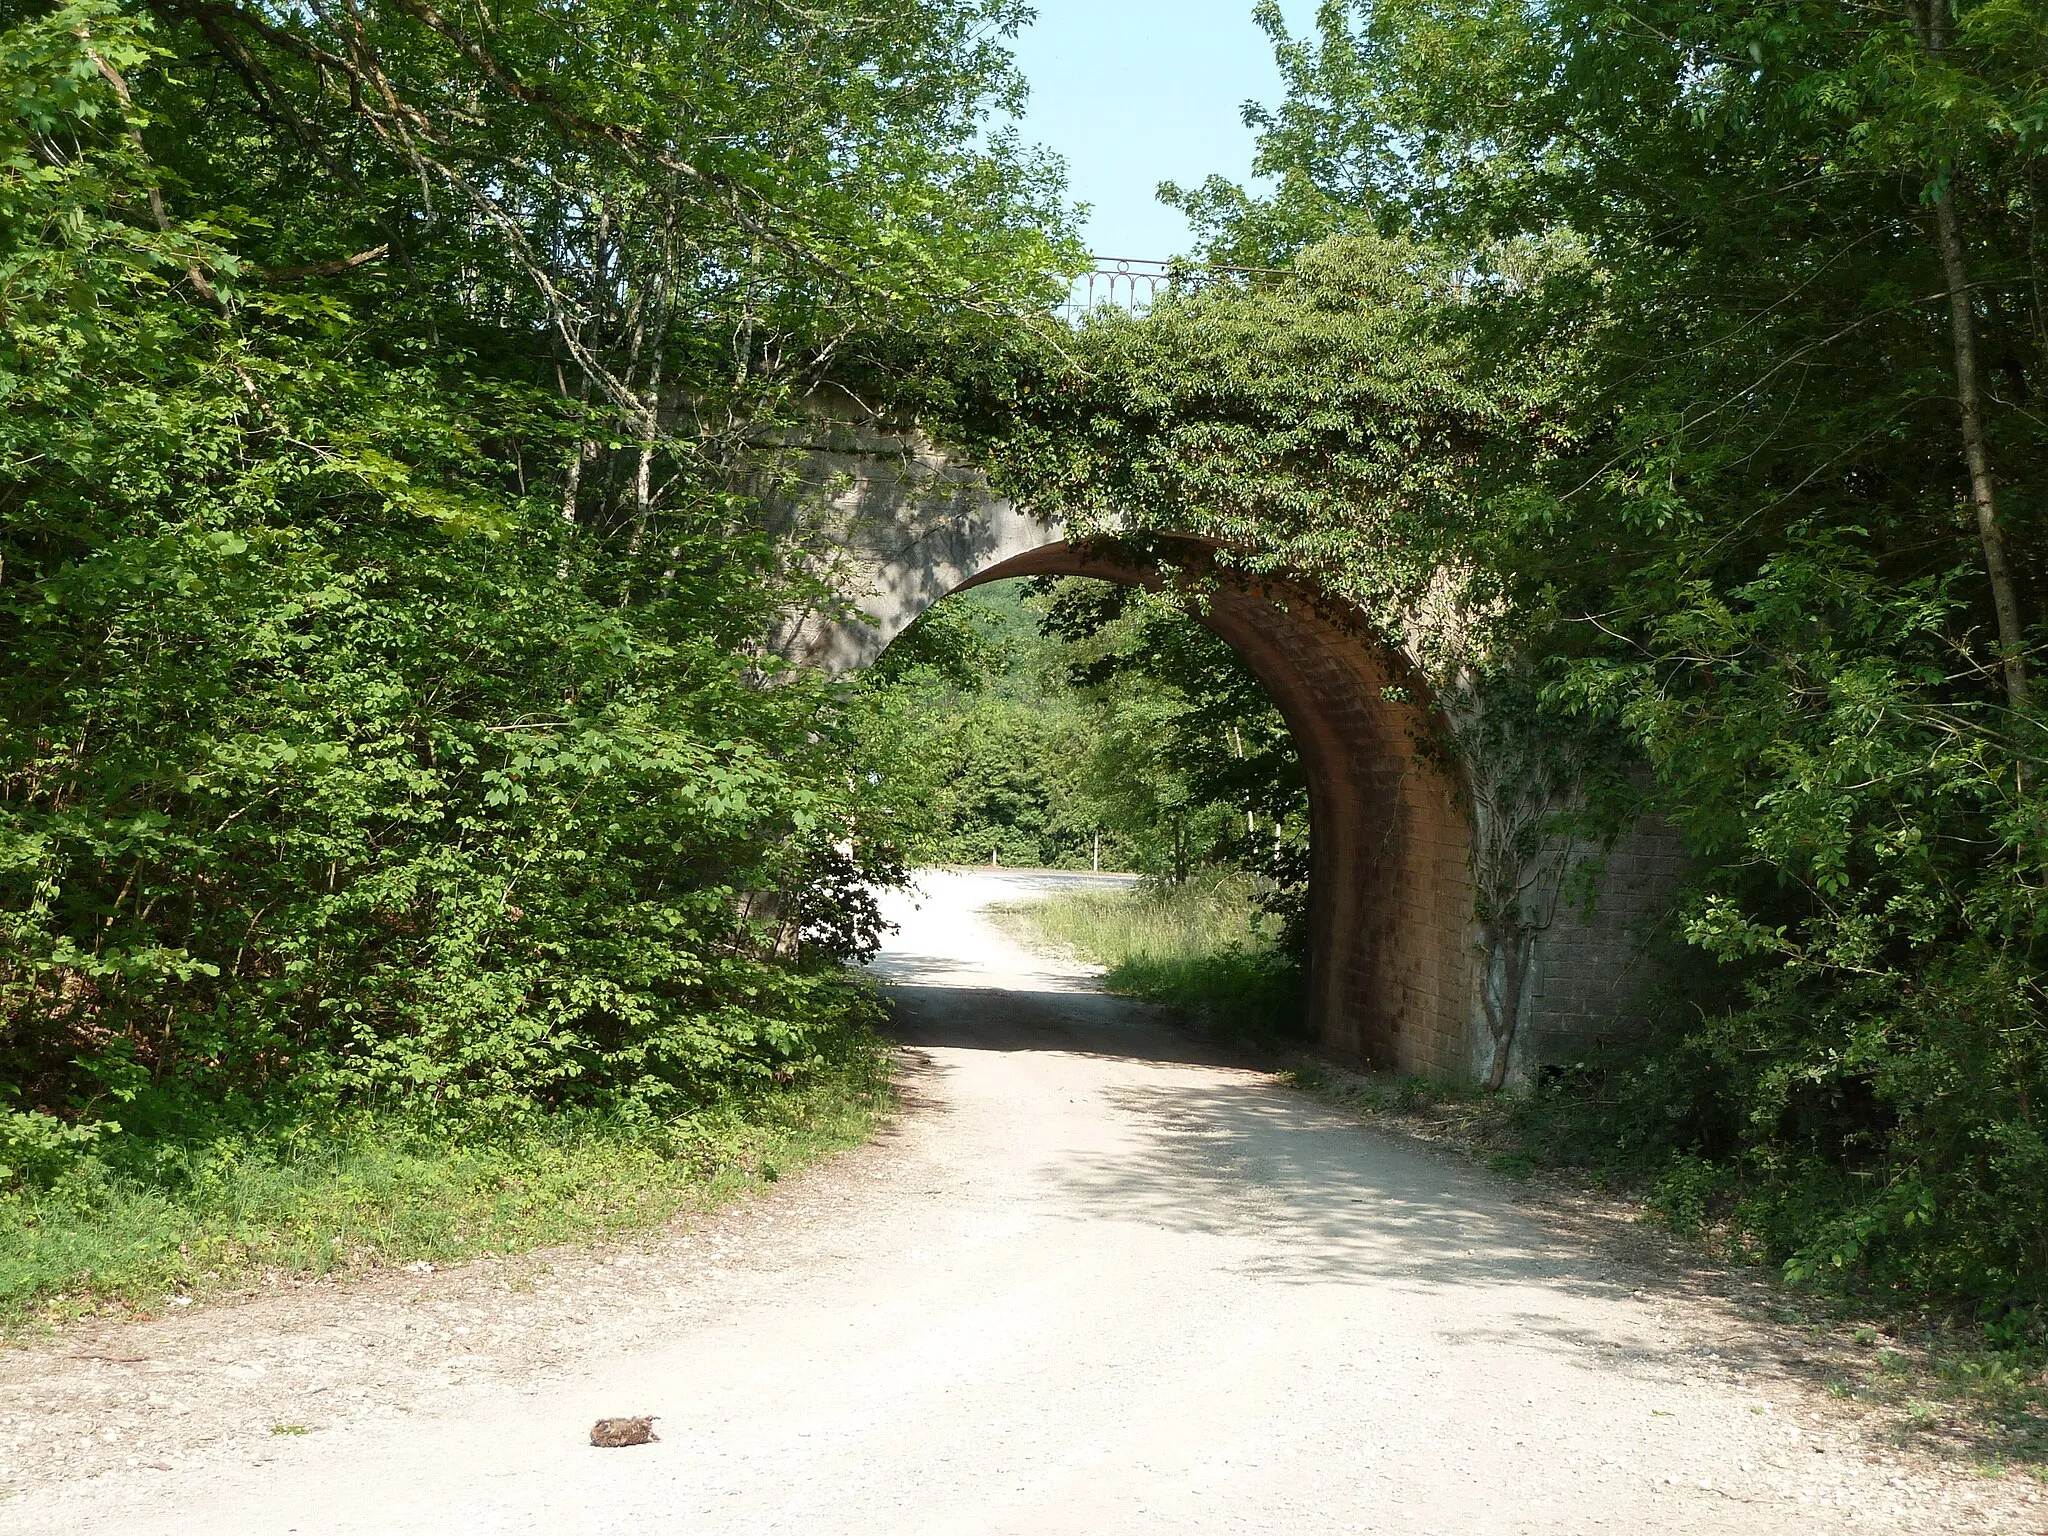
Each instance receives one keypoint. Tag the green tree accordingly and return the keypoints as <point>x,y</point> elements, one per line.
<point>1083,721</point>
<point>1192,759</point>
<point>385,720</point>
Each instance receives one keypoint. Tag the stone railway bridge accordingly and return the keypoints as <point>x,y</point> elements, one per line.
<point>1395,962</point>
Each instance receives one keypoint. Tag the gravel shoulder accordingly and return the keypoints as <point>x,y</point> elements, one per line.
<point>1096,1276</point>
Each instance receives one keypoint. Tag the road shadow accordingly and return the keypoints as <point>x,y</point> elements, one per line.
<point>1084,1022</point>
<point>1324,1200</point>
<point>1321,1198</point>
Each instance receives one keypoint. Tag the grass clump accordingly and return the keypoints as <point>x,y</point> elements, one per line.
<point>1204,946</point>
<point>347,1196</point>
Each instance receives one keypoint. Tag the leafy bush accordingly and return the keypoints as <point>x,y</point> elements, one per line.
<point>388,725</point>
<point>36,1149</point>
<point>1685,1192</point>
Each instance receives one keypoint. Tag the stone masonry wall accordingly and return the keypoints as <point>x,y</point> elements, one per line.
<point>1587,971</point>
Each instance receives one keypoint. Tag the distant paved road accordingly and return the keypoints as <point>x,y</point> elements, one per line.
<point>1098,1279</point>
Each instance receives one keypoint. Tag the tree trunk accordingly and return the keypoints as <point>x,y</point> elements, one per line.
<point>643,468</point>
<point>1933,31</point>
<point>1977,453</point>
<point>572,478</point>
<point>1504,1015</point>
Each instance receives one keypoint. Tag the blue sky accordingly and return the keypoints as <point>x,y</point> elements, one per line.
<point>1136,92</point>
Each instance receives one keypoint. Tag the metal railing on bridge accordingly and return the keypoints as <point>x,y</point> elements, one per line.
<point>1136,283</point>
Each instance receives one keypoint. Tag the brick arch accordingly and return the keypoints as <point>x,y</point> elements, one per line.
<point>1391,966</point>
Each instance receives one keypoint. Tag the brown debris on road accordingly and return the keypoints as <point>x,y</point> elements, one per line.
<point>612,1434</point>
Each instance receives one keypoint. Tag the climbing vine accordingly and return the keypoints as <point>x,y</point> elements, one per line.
<point>1343,430</point>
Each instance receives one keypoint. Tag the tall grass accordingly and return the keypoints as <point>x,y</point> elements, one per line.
<point>237,1212</point>
<point>1203,946</point>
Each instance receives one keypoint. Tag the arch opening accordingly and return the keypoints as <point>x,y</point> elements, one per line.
<point>1389,905</point>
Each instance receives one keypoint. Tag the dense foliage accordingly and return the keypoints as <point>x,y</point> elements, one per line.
<point>1673,373</point>
<point>1192,762</point>
<point>384,723</point>
<point>978,754</point>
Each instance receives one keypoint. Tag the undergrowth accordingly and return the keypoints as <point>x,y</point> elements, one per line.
<point>307,1199</point>
<point>1204,947</point>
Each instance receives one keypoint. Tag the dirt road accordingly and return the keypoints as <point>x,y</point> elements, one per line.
<point>1097,1279</point>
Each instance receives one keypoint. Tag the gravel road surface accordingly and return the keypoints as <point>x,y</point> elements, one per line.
<point>1098,1277</point>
